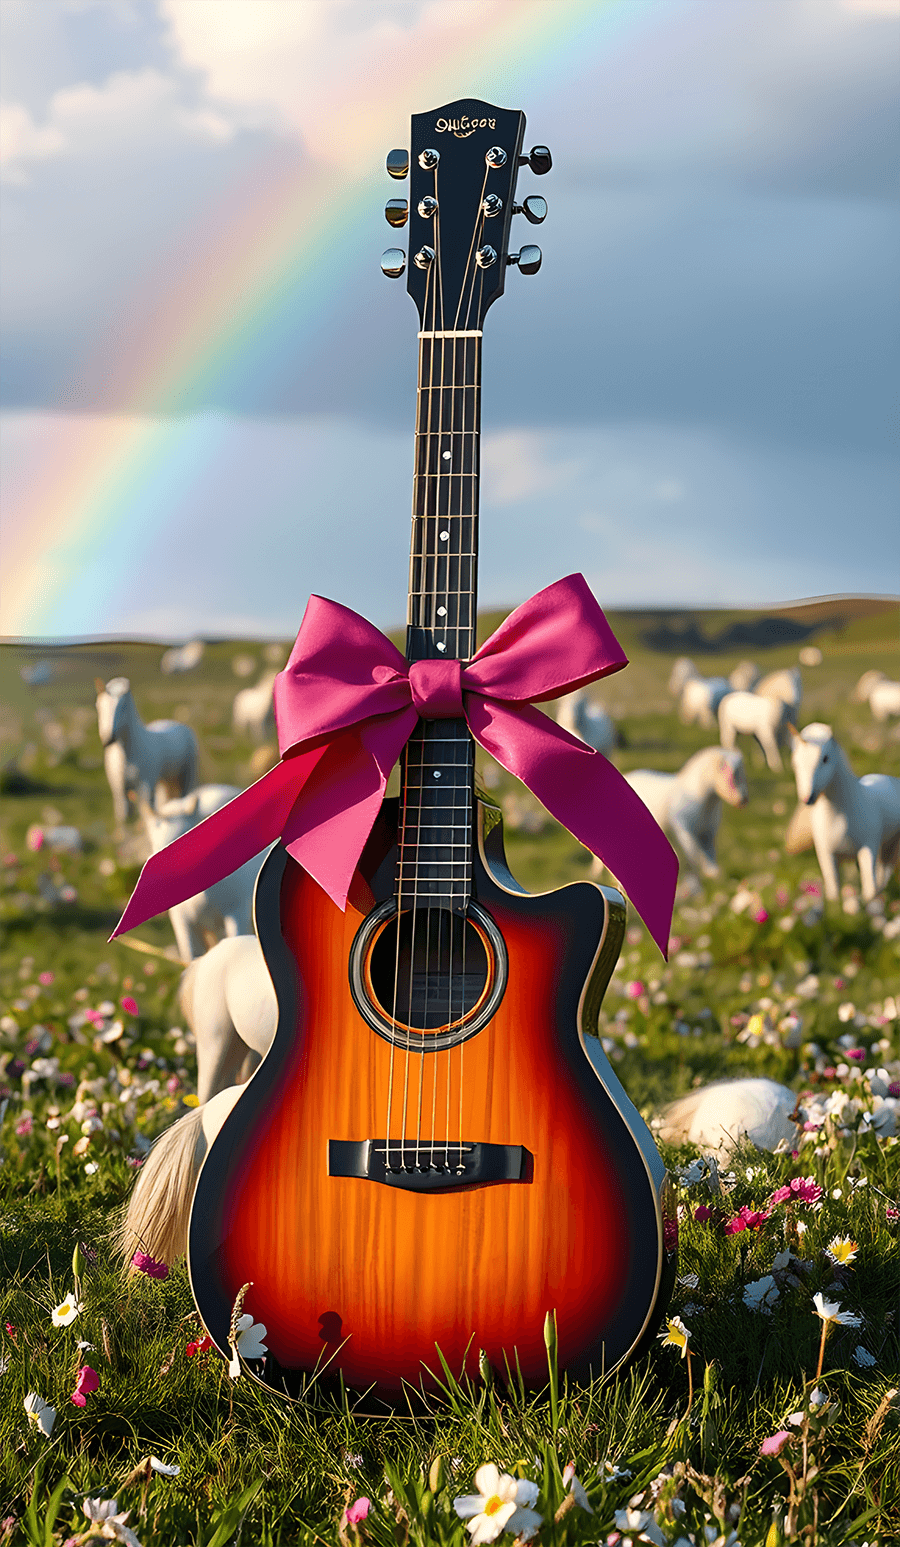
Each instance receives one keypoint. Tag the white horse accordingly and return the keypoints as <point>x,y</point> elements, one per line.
<point>744,677</point>
<point>229,1003</point>
<point>786,686</point>
<point>224,909</point>
<point>588,721</point>
<point>883,694</point>
<point>688,804</point>
<point>252,713</point>
<point>752,714</point>
<point>700,697</point>
<point>720,1116</point>
<point>850,816</point>
<point>137,757</point>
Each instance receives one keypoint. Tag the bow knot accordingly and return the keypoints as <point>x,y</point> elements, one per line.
<point>345,706</point>
<point>437,689</point>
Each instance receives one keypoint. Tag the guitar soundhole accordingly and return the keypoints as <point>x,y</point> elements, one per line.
<point>427,978</point>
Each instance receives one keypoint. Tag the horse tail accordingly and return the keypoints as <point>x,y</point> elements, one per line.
<point>156,1217</point>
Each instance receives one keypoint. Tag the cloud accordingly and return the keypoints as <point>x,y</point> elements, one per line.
<point>23,141</point>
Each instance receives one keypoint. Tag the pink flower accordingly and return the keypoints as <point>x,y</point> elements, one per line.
<point>34,838</point>
<point>772,1445</point>
<point>635,989</point>
<point>354,1513</point>
<point>202,1346</point>
<point>760,916</point>
<point>706,1216</point>
<point>88,1381</point>
<point>800,1189</point>
<point>45,979</point>
<point>149,1265</point>
<point>172,1084</point>
<point>858,1054</point>
<point>129,1005</point>
<point>24,1125</point>
<point>894,1088</point>
<point>745,1219</point>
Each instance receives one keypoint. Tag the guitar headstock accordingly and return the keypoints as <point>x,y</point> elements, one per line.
<point>462,166</point>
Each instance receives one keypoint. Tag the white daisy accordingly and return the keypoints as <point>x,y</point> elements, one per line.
<point>830,1311</point>
<point>64,1314</point>
<point>501,1504</point>
<point>42,1415</point>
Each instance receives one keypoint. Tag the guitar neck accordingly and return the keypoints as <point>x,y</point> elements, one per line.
<point>437,801</point>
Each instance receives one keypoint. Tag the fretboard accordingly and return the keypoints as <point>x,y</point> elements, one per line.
<point>437,797</point>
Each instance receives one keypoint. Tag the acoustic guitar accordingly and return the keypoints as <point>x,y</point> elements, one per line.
<point>435,1151</point>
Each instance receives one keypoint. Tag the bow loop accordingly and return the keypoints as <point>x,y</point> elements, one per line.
<point>348,701</point>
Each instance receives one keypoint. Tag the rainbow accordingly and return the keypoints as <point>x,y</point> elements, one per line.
<point>76,537</point>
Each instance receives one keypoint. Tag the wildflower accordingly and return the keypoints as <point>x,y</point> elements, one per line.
<point>105,1513</point>
<point>88,1381</point>
<point>575,1487</point>
<point>639,1520</point>
<point>24,1126</point>
<point>42,1415</point>
<point>64,1313</point>
<point>635,989</point>
<point>800,1189</point>
<point>842,1250</point>
<point>501,1504</point>
<point>97,1510</point>
<point>745,1219</point>
<point>772,1445</point>
<point>163,1469</point>
<point>129,1005</point>
<point>676,1334</point>
<point>830,1311</point>
<point>760,916</point>
<point>202,1346</point>
<point>149,1265</point>
<point>45,979</point>
<point>91,1167</point>
<point>761,1294</point>
<point>354,1513</point>
<point>706,1216</point>
<point>248,1342</point>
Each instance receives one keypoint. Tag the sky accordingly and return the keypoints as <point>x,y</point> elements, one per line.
<point>208,392</point>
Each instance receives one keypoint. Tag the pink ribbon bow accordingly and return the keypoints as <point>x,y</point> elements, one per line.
<point>347,703</point>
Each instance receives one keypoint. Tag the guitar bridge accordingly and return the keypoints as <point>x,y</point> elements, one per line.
<point>427,1167</point>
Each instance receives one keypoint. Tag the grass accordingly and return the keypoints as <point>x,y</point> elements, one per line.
<point>671,1450</point>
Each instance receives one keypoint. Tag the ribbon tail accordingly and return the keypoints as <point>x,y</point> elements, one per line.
<point>221,843</point>
<point>591,798</point>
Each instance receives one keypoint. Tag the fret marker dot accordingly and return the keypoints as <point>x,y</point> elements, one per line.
<point>442,612</point>
<point>441,646</point>
<point>443,536</point>
<point>436,774</point>
<point>446,456</point>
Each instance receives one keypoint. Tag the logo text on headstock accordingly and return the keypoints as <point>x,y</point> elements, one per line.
<point>463,127</point>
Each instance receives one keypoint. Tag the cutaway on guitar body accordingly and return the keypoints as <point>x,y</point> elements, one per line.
<point>385,1199</point>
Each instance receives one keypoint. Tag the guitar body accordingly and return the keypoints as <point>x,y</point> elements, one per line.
<point>366,1274</point>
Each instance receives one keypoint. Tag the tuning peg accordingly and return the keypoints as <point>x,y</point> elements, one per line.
<point>398,163</point>
<point>393,262</point>
<point>529,259</point>
<point>396,212</point>
<point>534,209</point>
<point>538,158</point>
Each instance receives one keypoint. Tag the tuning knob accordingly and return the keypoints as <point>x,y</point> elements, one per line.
<point>398,163</point>
<point>534,209</point>
<point>529,259</point>
<point>485,257</point>
<point>396,212</point>
<point>424,258</point>
<point>538,158</point>
<point>393,262</point>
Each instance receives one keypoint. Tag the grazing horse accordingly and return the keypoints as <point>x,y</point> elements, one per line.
<point>138,757</point>
<point>252,713</point>
<point>229,1003</point>
<point>699,697</point>
<point>753,714</point>
<point>786,687</point>
<point>587,721</point>
<point>688,805</point>
<point>225,909</point>
<point>882,693</point>
<point>849,816</point>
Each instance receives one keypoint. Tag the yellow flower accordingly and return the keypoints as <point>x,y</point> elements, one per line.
<point>842,1250</point>
<point>676,1334</point>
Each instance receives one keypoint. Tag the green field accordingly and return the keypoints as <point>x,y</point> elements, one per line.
<point>86,1082</point>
